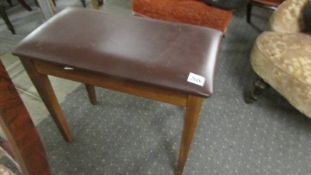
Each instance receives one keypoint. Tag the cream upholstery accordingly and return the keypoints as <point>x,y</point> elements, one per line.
<point>288,17</point>
<point>282,57</point>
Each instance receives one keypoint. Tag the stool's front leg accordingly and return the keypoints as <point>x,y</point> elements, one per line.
<point>45,90</point>
<point>193,108</point>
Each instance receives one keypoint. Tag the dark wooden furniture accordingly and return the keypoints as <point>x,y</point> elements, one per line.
<point>22,136</point>
<point>24,4</point>
<point>83,3</point>
<point>257,89</point>
<point>6,19</point>
<point>270,4</point>
<point>143,57</point>
<point>10,3</point>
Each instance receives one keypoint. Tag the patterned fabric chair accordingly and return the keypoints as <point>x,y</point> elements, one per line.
<point>282,57</point>
<point>186,11</point>
<point>269,4</point>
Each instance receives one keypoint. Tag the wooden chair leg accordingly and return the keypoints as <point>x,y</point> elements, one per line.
<point>259,87</point>
<point>36,2</point>
<point>193,108</point>
<point>101,2</point>
<point>25,5</point>
<point>6,19</point>
<point>83,3</point>
<point>44,88</point>
<point>91,93</point>
<point>10,3</point>
<point>249,11</point>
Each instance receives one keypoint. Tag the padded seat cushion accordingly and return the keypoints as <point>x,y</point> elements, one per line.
<point>186,11</point>
<point>153,52</point>
<point>284,62</point>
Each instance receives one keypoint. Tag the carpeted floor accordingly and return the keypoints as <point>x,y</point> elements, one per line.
<point>23,21</point>
<point>127,135</point>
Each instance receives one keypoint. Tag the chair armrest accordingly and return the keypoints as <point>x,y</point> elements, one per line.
<point>288,17</point>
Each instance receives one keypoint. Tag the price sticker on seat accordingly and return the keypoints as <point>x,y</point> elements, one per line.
<point>196,79</point>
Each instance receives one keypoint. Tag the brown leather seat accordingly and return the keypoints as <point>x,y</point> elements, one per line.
<point>133,48</point>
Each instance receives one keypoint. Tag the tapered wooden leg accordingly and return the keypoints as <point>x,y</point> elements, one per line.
<point>25,5</point>
<point>193,108</point>
<point>44,88</point>
<point>36,2</point>
<point>259,87</point>
<point>83,3</point>
<point>6,19</point>
<point>10,3</point>
<point>91,93</point>
<point>101,2</point>
<point>249,11</point>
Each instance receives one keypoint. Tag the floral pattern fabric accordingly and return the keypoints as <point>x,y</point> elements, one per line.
<point>288,17</point>
<point>282,57</point>
<point>284,61</point>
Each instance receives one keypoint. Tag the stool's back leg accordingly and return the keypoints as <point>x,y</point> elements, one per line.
<point>192,114</point>
<point>91,93</point>
<point>45,90</point>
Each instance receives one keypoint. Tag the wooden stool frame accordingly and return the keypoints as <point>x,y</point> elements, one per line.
<point>39,71</point>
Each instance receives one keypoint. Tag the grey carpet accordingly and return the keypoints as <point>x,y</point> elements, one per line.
<point>23,21</point>
<point>135,136</point>
<point>26,21</point>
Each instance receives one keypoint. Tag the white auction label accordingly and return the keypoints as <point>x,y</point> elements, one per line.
<point>196,79</point>
<point>68,68</point>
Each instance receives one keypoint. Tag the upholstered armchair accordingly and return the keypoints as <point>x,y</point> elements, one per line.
<point>282,57</point>
<point>186,11</point>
